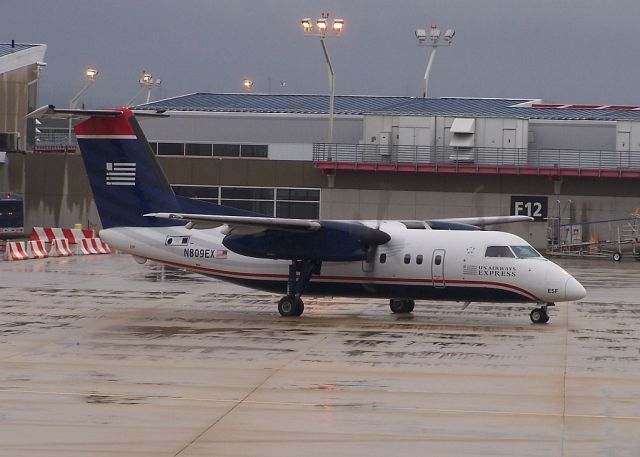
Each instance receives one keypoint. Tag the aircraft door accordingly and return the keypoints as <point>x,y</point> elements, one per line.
<point>437,268</point>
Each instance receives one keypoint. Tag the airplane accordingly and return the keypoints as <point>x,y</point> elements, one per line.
<point>403,261</point>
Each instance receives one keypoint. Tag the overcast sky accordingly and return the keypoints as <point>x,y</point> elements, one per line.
<point>570,51</point>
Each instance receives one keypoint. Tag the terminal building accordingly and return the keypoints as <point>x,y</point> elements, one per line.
<point>20,66</point>
<point>401,158</point>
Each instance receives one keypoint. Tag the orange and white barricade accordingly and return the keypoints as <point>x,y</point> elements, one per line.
<point>48,234</point>
<point>15,251</point>
<point>60,248</point>
<point>104,247</point>
<point>92,246</point>
<point>36,249</point>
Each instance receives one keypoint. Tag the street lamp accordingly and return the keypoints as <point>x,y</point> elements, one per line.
<point>147,82</point>
<point>90,74</point>
<point>434,42</point>
<point>323,25</point>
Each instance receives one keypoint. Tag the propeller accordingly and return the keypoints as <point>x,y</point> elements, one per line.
<point>381,237</point>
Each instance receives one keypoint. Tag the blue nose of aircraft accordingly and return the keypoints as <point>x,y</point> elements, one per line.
<point>573,290</point>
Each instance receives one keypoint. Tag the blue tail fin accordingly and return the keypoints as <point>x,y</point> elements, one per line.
<point>125,178</point>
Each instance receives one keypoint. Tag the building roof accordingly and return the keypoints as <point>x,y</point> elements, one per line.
<point>16,55</point>
<point>403,106</point>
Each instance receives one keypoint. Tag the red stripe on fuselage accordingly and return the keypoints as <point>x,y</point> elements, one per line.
<point>106,125</point>
<point>426,281</point>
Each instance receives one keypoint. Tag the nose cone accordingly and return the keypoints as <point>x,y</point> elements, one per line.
<point>573,290</point>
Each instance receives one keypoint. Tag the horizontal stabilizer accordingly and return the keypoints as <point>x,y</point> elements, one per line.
<point>51,111</point>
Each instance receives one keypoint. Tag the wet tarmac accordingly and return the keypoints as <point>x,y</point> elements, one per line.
<point>102,356</point>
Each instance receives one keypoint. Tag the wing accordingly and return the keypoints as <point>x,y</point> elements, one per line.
<point>257,223</point>
<point>292,239</point>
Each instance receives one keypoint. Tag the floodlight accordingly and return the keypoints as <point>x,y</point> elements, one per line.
<point>91,73</point>
<point>338,25</point>
<point>146,78</point>
<point>421,34</point>
<point>322,25</point>
<point>434,33</point>
<point>307,25</point>
<point>448,35</point>
<point>247,84</point>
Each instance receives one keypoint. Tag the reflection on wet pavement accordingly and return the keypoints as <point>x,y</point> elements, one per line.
<point>102,355</point>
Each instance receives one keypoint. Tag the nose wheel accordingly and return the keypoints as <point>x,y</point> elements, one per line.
<point>401,305</point>
<point>539,315</point>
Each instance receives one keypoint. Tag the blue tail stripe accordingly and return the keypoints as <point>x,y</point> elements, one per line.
<point>124,204</point>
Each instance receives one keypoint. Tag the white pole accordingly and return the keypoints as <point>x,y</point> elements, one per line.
<point>332,84</point>
<point>74,102</point>
<point>432,55</point>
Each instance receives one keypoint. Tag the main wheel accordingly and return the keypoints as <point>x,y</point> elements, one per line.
<point>397,306</point>
<point>287,306</point>
<point>617,256</point>
<point>401,305</point>
<point>299,307</point>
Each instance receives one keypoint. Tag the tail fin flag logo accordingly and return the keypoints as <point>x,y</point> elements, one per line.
<point>121,174</point>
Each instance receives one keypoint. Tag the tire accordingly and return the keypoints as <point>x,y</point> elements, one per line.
<point>536,315</point>
<point>617,256</point>
<point>410,305</point>
<point>287,306</point>
<point>299,307</point>
<point>397,306</point>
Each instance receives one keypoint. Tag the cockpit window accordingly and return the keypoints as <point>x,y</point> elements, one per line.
<point>498,251</point>
<point>525,252</point>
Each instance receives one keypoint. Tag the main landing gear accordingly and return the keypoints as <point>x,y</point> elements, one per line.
<point>540,315</point>
<point>401,305</point>
<point>300,272</point>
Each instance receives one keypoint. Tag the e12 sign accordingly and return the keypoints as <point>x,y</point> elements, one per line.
<point>527,205</point>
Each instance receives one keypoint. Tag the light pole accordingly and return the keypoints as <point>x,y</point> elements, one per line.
<point>434,39</point>
<point>91,74</point>
<point>147,82</point>
<point>322,25</point>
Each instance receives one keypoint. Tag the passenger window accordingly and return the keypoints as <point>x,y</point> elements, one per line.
<point>438,260</point>
<point>407,258</point>
<point>383,258</point>
<point>498,251</point>
<point>419,259</point>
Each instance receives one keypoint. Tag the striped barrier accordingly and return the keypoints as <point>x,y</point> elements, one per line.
<point>104,246</point>
<point>36,249</point>
<point>88,246</point>
<point>48,234</point>
<point>60,248</point>
<point>15,251</point>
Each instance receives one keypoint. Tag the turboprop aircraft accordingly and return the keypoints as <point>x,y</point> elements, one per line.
<point>403,261</point>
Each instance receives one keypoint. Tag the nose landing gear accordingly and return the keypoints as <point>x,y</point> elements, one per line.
<point>540,315</point>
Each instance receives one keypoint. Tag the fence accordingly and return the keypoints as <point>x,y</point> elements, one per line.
<point>479,157</point>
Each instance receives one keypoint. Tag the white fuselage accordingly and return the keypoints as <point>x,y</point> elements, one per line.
<point>417,264</point>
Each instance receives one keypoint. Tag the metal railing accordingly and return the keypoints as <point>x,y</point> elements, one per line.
<point>500,157</point>
<point>54,140</point>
